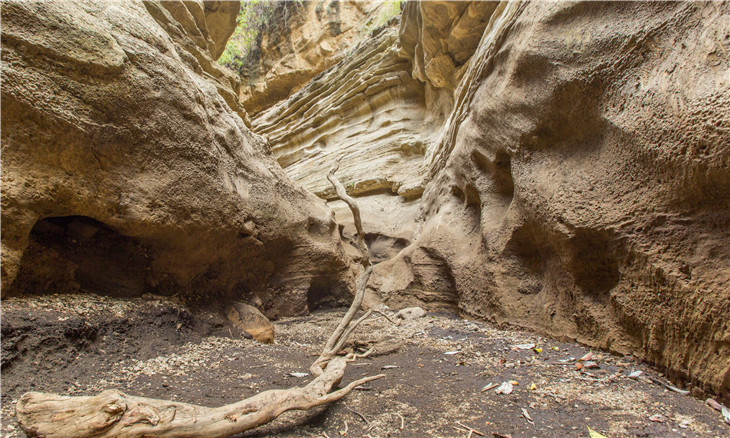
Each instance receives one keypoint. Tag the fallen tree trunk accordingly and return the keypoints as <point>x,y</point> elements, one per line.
<point>115,414</point>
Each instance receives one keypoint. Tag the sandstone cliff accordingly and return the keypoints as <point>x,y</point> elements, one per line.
<point>581,187</point>
<point>574,162</point>
<point>372,108</point>
<point>125,171</point>
<point>558,166</point>
<point>302,40</point>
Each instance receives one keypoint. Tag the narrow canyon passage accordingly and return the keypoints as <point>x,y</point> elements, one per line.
<point>544,187</point>
<point>434,380</point>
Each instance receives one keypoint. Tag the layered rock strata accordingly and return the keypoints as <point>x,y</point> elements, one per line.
<point>366,109</point>
<point>572,155</point>
<point>581,185</point>
<point>381,107</point>
<point>302,40</point>
<point>125,171</point>
<point>374,111</point>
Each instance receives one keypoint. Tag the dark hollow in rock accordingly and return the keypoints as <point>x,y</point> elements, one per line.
<point>80,254</point>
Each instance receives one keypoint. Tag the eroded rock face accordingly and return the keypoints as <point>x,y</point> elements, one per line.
<point>441,36</point>
<point>122,156</point>
<point>581,185</point>
<point>572,155</point>
<point>303,39</point>
<point>220,19</point>
<point>248,318</point>
<point>376,112</point>
<point>367,110</point>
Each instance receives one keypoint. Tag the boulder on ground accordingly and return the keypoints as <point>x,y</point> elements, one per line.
<point>252,321</point>
<point>411,313</point>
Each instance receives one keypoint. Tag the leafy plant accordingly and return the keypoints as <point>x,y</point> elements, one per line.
<point>390,9</point>
<point>243,47</point>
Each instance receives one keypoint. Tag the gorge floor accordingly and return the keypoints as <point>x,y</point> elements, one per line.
<point>155,347</point>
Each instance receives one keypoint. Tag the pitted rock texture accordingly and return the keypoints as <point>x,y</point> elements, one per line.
<point>125,171</point>
<point>441,36</point>
<point>220,19</point>
<point>366,110</point>
<point>581,186</point>
<point>302,40</point>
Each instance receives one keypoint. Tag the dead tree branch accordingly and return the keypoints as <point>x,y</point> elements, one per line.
<point>345,328</point>
<point>115,414</point>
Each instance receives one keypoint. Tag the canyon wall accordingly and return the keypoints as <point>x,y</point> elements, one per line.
<point>581,187</point>
<point>301,40</point>
<point>127,167</point>
<point>558,166</point>
<point>372,110</point>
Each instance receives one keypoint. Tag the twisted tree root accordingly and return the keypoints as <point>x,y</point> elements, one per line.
<point>115,414</point>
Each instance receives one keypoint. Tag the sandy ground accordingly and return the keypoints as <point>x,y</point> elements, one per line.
<point>80,345</point>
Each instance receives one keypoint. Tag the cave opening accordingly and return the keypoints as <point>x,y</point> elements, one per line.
<point>324,293</point>
<point>71,254</point>
<point>595,261</point>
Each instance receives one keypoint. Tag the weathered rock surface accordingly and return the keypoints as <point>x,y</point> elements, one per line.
<point>558,166</point>
<point>248,318</point>
<point>366,109</point>
<point>125,171</point>
<point>390,224</point>
<point>369,110</point>
<point>303,40</point>
<point>220,20</point>
<point>581,185</point>
<point>572,155</point>
<point>411,313</point>
<point>441,36</point>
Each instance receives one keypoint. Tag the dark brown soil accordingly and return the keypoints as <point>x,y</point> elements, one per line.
<point>155,347</point>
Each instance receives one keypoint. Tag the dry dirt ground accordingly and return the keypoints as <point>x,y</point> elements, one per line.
<point>156,347</point>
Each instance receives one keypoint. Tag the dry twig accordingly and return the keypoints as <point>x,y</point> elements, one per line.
<point>387,317</point>
<point>356,413</point>
<point>466,428</point>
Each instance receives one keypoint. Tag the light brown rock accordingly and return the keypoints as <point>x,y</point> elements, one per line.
<point>251,320</point>
<point>568,160</point>
<point>220,19</point>
<point>125,171</point>
<point>581,185</point>
<point>441,36</point>
<point>411,313</point>
<point>573,164</point>
<point>366,109</point>
<point>302,40</point>
<point>371,113</point>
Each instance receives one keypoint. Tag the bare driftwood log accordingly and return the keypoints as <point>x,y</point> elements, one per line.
<point>114,414</point>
